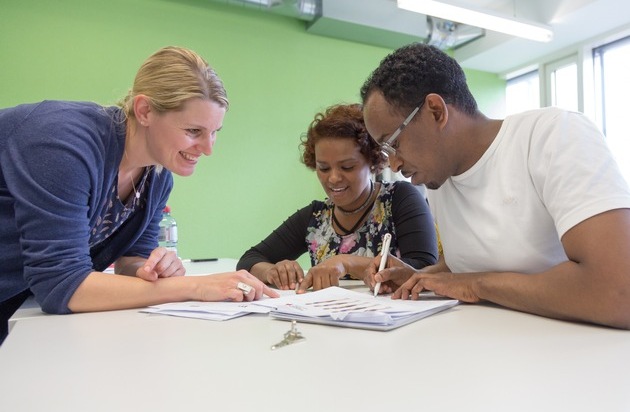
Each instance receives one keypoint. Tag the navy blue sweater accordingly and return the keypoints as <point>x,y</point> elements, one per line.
<point>58,161</point>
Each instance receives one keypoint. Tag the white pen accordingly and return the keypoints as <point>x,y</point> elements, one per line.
<point>387,238</point>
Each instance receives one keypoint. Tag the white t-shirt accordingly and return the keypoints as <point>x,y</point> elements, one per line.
<point>546,171</point>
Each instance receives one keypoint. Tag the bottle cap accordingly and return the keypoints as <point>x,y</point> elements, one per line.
<point>167,209</point>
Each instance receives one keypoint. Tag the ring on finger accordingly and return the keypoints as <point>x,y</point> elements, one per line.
<point>244,287</point>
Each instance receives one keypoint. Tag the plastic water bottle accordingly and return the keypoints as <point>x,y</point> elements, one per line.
<point>168,230</point>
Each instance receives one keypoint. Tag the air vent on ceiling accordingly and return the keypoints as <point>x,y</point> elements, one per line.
<point>446,34</point>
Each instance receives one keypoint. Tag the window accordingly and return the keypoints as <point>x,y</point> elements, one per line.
<point>522,93</point>
<point>611,63</point>
<point>592,80</point>
<point>562,83</point>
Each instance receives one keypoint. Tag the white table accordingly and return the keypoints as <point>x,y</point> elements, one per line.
<point>469,358</point>
<point>30,308</point>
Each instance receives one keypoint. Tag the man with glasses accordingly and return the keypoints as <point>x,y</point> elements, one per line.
<point>532,210</point>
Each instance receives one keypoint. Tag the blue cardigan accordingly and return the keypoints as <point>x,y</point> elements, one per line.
<point>58,161</point>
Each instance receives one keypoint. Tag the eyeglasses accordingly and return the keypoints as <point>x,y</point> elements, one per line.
<point>387,147</point>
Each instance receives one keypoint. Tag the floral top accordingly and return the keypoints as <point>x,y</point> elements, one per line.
<point>323,242</point>
<point>399,209</point>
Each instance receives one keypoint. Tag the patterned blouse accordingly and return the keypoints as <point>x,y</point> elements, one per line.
<point>399,209</point>
<point>118,212</point>
<point>323,242</point>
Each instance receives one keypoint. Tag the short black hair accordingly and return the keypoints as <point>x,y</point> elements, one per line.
<point>406,76</point>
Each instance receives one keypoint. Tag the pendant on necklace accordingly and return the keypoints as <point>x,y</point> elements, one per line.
<point>137,195</point>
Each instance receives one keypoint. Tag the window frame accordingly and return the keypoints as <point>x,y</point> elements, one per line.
<point>530,72</point>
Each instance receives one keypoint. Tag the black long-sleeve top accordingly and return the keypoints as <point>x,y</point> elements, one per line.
<point>399,209</point>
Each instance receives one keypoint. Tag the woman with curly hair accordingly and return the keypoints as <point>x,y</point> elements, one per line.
<point>344,232</point>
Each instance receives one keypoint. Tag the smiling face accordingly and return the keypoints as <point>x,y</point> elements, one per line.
<point>343,171</point>
<point>177,139</point>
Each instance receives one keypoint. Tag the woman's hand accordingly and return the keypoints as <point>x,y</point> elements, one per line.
<point>231,286</point>
<point>162,263</point>
<point>324,275</point>
<point>285,275</point>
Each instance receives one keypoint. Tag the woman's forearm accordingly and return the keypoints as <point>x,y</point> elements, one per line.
<point>102,291</point>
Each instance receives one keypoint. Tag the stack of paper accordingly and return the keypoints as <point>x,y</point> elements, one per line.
<point>207,310</point>
<point>330,306</point>
<point>342,307</point>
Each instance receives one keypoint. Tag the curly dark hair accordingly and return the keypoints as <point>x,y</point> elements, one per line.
<point>406,76</point>
<point>343,121</point>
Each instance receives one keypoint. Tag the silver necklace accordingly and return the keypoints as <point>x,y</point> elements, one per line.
<point>133,186</point>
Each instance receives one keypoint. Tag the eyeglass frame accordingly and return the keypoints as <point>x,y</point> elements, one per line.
<point>387,147</point>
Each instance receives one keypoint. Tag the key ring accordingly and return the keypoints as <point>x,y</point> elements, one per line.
<point>292,336</point>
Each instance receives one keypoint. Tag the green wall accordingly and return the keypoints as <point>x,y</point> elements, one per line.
<point>277,77</point>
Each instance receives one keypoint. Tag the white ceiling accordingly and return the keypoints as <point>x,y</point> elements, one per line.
<point>573,22</point>
<point>380,22</point>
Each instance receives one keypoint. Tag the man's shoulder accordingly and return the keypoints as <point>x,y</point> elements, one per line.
<point>543,115</point>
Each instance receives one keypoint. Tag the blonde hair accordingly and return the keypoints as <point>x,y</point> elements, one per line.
<point>171,76</point>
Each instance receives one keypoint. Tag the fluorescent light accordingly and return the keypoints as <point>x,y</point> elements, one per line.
<point>307,7</point>
<point>483,19</point>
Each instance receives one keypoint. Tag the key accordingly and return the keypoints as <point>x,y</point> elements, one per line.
<point>292,336</point>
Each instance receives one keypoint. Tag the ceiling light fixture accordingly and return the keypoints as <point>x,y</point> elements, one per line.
<point>484,19</point>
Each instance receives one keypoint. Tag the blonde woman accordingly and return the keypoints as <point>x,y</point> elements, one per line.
<point>82,186</point>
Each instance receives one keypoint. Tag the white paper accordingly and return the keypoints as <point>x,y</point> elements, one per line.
<point>334,305</point>
<point>348,308</point>
<point>212,310</point>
